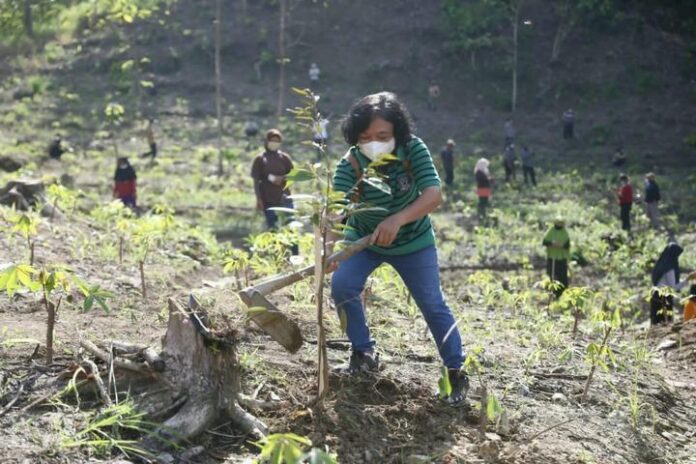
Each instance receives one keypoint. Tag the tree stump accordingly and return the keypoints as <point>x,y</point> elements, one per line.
<point>23,193</point>
<point>199,385</point>
<point>10,164</point>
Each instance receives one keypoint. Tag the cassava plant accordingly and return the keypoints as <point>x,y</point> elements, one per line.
<point>289,448</point>
<point>53,283</point>
<point>150,232</point>
<point>58,194</point>
<point>114,114</point>
<point>26,225</point>
<point>237,261</point>
<point>118,218</point>
<point>574,301</point>
<point>605,322</point>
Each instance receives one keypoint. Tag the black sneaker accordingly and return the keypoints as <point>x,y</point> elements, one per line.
<point>460,386</point>
<point>360,363</point>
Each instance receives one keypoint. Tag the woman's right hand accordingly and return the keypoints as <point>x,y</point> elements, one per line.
<point>259,205</point>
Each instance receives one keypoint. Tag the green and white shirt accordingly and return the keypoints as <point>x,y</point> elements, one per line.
<point>406,185</point>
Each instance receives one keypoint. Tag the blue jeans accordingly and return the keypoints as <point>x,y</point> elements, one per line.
<point>421,274</point>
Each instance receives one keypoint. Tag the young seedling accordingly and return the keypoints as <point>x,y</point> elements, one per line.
<point>574,301</point>
<point>50,281</point>
<point>114,114</point>
<point>289,448</point>
<point>116,216</point>
<point>606,322</point>
<point>237,261</point>
<point>327,208</point>
<point>26,225</point>
<point>58,194</point>
<point>150,232</point>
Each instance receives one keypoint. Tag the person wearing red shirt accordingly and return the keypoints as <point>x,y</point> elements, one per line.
<point>625,197</point>
<point>124,182</point>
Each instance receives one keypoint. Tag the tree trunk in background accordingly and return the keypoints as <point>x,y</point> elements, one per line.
<point>281,57</point>
<point>566,22</point>
<point>515,33</point>
<point>218,91</point>
<point>28,19</point>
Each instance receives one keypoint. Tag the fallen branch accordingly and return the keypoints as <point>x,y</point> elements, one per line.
<point>551,375</point>
<point>101,389</point>
<point>48,396</point>
<point>253,403</point>
<point>548,429</point>
<point>107,357</point>
<point>9,405</point>
<point>151,356</point>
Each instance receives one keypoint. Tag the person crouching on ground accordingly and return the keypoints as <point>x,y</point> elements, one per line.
<point>125,183</point>
<point>690,304</point>
<point>665,274</point>
<point>401,235</point>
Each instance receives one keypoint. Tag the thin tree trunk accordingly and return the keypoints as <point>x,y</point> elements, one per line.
<point>564,28</point>
<point>51,311</point>
<point>515,34</point>
<point>218,90</point>
<point>120,250</point>
<point>141,264</point>
<point>28,19</point>
<point>53,211</point>
<point>281,58</point>
<point>31,253</point>
<point>320,263</point>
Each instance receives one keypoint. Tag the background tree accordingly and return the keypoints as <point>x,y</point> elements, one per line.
<point>218,83</point>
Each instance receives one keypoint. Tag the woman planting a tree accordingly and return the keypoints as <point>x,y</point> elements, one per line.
<point>401,232</point>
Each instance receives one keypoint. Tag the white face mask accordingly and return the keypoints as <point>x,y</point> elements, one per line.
<point>273,146</point>
<point>373,149</point>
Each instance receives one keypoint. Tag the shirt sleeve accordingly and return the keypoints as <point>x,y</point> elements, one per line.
<point>288,163</point>
<point>422,167</point>
<point>257,169</point>
<point>344,178</point>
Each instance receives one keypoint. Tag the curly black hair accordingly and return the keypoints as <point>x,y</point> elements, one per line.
<point>384,105</point>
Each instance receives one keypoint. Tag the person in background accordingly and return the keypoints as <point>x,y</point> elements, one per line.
<point>509,132</point>
<point>314,74</point>
<point>666,273</point>
<point>268,172</point>
<point>652,198</point>
<point>251,129</point>
<point>527,156</point>
<point>433,95</point>
<point>557,243</point>
<point>624,195</point>
<point>568,124</point>
<point>56,148</point>
<point>401,234</point>
<point>509,162</point>
<point>321,135</point>
<point>125,183</point>
<point>447,156</point>
<point>619,158</point>
<point>690,304</point>
<point>149,134</point>
<point>483,186</point>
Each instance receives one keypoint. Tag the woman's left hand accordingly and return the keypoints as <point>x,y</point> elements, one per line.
<point>386,231</point>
